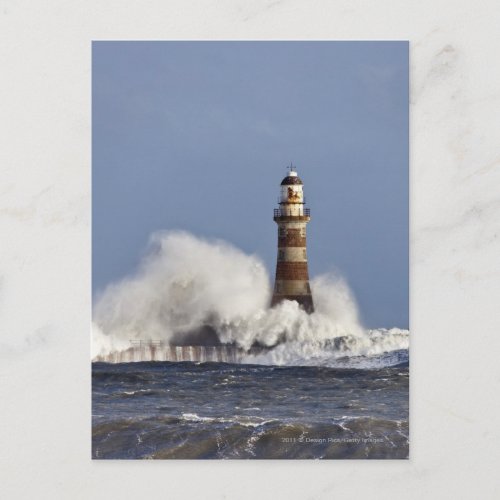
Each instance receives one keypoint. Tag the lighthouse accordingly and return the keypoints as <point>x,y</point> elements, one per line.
<point>292,275</point>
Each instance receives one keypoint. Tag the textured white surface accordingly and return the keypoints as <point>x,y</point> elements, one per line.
<point>45,57</point>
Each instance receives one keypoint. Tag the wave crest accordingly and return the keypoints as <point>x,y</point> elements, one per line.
<point>186,284</point>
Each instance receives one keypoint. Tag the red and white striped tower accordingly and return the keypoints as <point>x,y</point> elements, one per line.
<point>292,275</point>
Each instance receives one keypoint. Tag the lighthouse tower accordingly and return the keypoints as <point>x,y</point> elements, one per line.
<point>292,275</point>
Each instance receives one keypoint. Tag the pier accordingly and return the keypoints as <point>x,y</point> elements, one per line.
<point>158,350</point>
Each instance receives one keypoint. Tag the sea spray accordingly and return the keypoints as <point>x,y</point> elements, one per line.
<point>186,283</point>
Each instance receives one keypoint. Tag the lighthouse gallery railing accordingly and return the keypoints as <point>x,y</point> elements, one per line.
<point>281,212</point>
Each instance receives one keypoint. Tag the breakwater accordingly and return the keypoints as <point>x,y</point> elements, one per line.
<point>156,350</point>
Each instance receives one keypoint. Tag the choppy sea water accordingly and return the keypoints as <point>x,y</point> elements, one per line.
<point>160,410</point>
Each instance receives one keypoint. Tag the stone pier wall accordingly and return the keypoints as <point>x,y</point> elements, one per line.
<point>195,353</point>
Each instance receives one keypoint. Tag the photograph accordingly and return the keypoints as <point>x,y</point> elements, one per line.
<point>250,250</point>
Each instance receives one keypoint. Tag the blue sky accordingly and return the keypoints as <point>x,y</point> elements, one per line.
<point>197,135</point>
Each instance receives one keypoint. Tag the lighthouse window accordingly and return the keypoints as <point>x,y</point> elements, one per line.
<point>303,232</point>
<point>282,231</point>
<point>281,255</point>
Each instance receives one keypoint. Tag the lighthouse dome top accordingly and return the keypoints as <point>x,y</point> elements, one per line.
<point>291,179</point>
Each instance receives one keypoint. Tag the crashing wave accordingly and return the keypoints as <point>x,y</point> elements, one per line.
<point>186,285</point>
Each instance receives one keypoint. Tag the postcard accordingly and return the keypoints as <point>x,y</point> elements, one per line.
<point>250,250</point>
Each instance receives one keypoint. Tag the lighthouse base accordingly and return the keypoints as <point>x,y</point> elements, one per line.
<point>305,301</point>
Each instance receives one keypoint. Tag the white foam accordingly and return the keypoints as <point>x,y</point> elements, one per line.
<point>186,282</point>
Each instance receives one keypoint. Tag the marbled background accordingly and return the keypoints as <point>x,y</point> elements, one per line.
<point>45,200</point>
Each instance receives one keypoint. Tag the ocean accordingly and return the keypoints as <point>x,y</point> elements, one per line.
<point>186,410</point>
